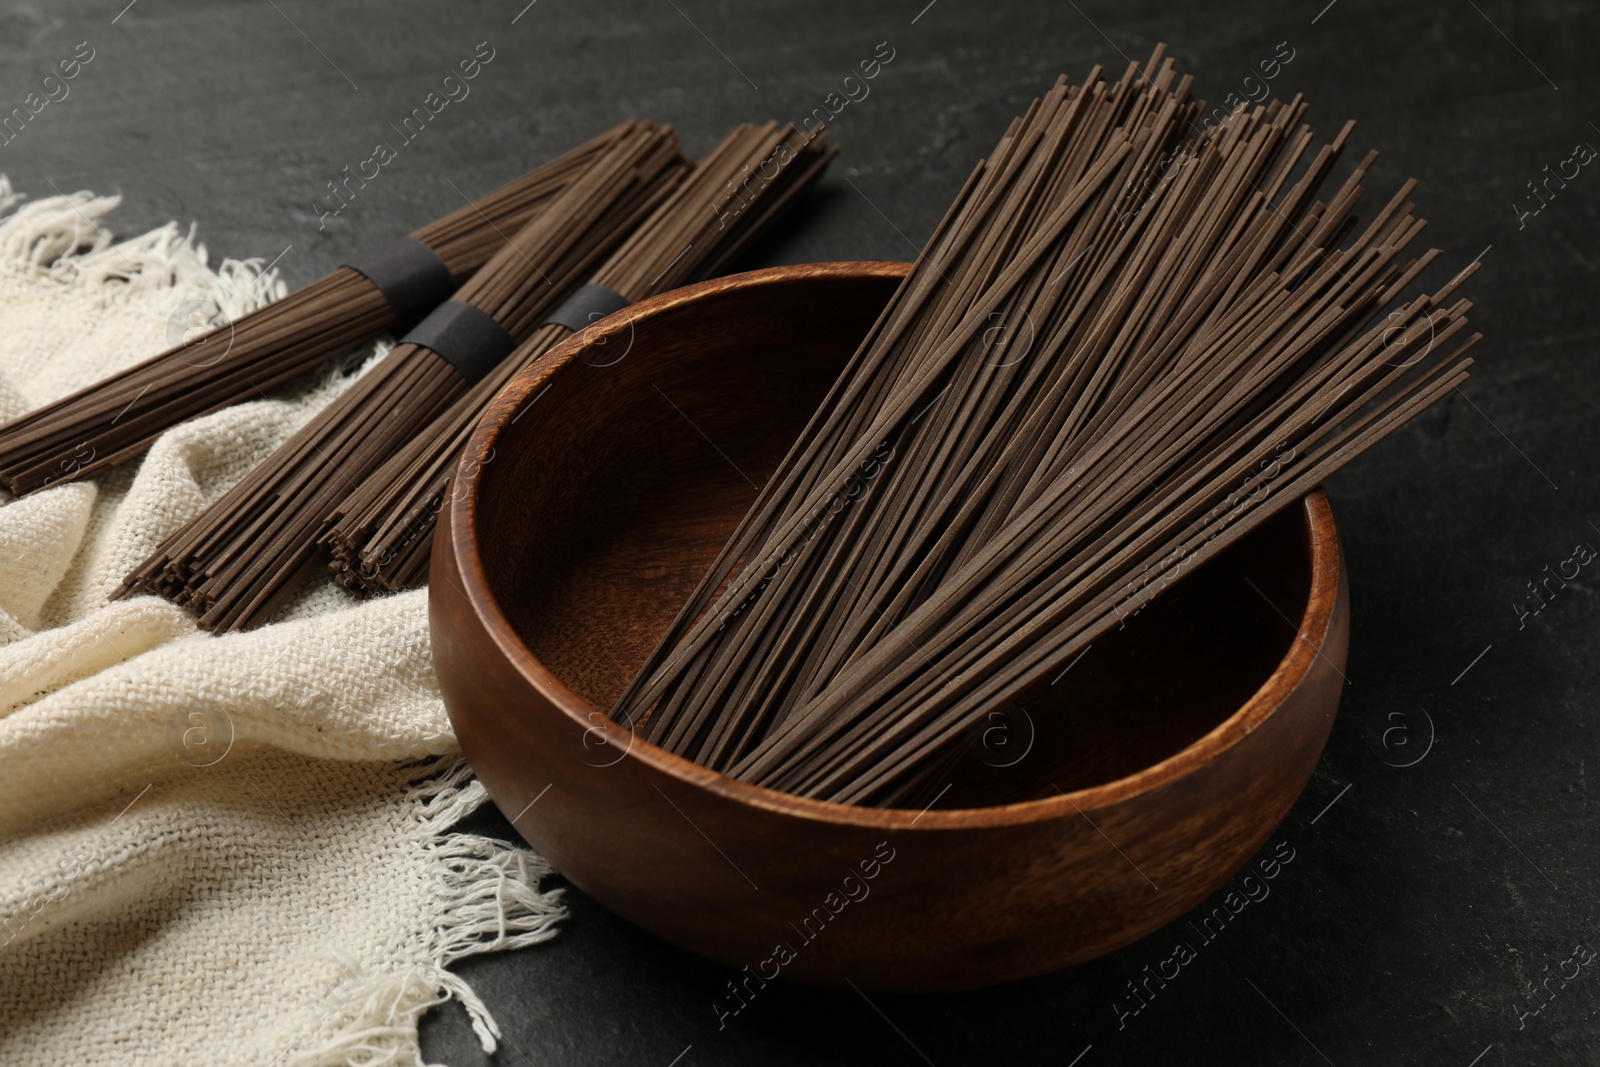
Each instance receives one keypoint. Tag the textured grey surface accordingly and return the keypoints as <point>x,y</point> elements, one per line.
<point>1423,902</point>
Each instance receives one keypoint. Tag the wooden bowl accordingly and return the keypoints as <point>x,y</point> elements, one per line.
<point>594,494</point>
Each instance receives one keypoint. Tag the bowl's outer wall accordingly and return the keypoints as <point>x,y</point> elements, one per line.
<point>954,899</point>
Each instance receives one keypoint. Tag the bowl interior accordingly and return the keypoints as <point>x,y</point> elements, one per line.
<point>596,520</point>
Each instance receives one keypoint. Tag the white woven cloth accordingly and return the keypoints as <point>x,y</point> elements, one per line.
<point>213,850</point>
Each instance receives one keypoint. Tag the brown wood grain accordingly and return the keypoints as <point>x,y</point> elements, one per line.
<point>593,495</point>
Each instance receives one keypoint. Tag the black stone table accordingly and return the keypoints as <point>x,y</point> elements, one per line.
<point>1423,900</point>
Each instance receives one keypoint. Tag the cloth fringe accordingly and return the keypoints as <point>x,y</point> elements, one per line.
<point>485,898</point>
<point>61,237</point>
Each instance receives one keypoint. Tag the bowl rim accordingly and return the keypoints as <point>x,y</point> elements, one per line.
<point>462,515</point>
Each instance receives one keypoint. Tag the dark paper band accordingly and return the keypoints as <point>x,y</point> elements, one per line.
<point>587,304</point>
<point>466,337</point>
<point>410,275</point>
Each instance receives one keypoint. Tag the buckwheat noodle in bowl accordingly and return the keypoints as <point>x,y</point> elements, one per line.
<point>1131,341</point>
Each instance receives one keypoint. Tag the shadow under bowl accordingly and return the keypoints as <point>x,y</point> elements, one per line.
<point>593,496</point>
